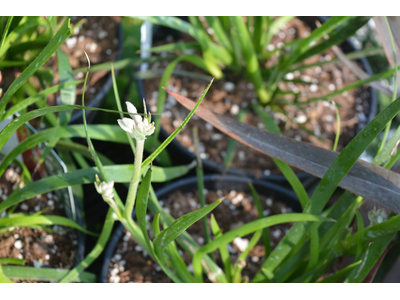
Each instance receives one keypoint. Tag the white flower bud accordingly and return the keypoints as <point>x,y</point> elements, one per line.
<point>137,127</point>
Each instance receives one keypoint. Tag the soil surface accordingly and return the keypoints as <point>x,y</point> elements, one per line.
<point>312,123</point>
<point>130,263</point>
<point>40,248</point>
<point>99,38</point>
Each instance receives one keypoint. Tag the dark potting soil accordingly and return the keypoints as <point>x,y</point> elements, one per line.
<point>98,37</point>
<point>40,248</point>
<point>130,263</point>
<point>316,123</point>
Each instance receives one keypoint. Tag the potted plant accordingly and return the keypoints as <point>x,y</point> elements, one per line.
<point>181,197</point>
<point>228,95</point>
<point>29,242</point>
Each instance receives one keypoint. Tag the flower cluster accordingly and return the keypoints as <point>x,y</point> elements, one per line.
<point>105,189</point>
<point>137,127</point>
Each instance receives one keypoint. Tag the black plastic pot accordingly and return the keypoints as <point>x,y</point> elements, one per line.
<point>211,182</point>
<point>53,165</point>
<point>182,155</point>
<point>77,118</point>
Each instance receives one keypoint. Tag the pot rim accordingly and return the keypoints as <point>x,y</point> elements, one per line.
<point>176,185</point>
<point>213,167</point>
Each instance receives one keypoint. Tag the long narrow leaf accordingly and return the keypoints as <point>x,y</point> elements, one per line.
<point>39,61</point>
<point>363,178</point>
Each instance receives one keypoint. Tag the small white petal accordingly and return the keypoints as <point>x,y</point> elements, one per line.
<point>127,124</point>
<point>145,122</point>
<point>131,108</point>
<point>132,112</point>
<point>140,127</point>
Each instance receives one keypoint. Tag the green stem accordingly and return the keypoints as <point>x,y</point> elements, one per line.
<point>130,200</point>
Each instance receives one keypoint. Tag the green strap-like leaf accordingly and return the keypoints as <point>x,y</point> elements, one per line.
<point>44,274</point>
<point>178,227</point>
<point>120,174</point>
<point>39,61</point>
<point>26,221</point>
<point>247,229</point>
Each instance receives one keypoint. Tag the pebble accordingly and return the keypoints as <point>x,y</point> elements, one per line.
<point>37,264</point>
<point>229,86</point>
<point>216,136</point>
<point>292,30</point>
<point>18,244</point>
<point>16,236</point>
<point>234,109</point>
<point>158,268</point>
<point>242,244</point>
<point>269,202</point>
<point>270,47</point>
<point>20,256</point>
<point>281,35</point>
<point>331,87</point>
<point>298,137</point>
<point>289,76</point>
<point>255,259</point>
<point>237,199</point>
<point>108,51</point>
<point>71,42</point>
<point>200,240</point>
<point>283,210</point>
<point>103,34</point>
<point>204,155</point>
<point>37,207</point>
<point>313,88</point>
<point>241,155</point>
<point>115,279</point>
<point>260,125</point>
<point>230,249</point>
<point>209,127</point>
<point>359,107</point>
<point>49,239</point>
<point>127,237</point>
<point>117,257</point>
<point>47,257</point>
<point>301,119</point>
<point>277,233</point>
<point>266,212</point>
<point>24,206</point>
<point>267,172</point>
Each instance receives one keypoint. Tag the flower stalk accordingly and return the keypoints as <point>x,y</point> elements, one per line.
<point>138,128</point>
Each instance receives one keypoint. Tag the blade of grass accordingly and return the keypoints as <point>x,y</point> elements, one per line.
<point>26,221</point>
<point>245,230</point>
<point>252,66</point>
<point>51,47</point>
<point>309,158</point>
<point>265,231</point>
<point>387,128</point>
<point>5,32</point>
<point>200,185</point>
<point>44,274</point>
<point>223,250</point>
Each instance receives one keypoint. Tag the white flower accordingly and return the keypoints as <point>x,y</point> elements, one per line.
<point>105,189</point>
<point>137,127</point>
